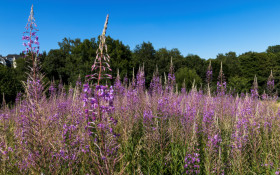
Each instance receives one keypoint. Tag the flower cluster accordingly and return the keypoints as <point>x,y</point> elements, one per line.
<point>155,85</point>
<point>140,79</point>
<point>209,74</point>
<point>270,85</point>
<point>101,98</point>
<point>29,36</point>
<point>192,163</point>
<point>171,80</point>
<point>254,93</point>
<point>98,104</point>
<point>214,141</point>
<point>119,88</point>
<point>221,83</point>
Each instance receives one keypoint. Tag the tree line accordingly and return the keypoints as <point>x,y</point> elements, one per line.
<point>73,60</point>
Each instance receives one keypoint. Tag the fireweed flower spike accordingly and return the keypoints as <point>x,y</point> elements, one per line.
<point>254,90</point>
<point>31,123</point>
<point>221,84</point>
<point>155,85</point>
<point>34,87</point>
<point>31,52</point>
<point>140,79</point>
<point>102,60</point>
<point>29,36</point>
<point>99,107</point>
<point>209,74</point>
<point>171,78</point>
<point>270,85</point>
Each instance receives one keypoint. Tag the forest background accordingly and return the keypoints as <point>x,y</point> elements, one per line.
<point>74,58</point>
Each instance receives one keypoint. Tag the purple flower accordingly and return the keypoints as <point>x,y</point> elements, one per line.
<point>86,87</point>
<point>209,74</point>
<point>221,84</point>
<point>29,36</point>
<point>192,163</point>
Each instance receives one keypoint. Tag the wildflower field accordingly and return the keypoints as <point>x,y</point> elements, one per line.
<point>128,128</point>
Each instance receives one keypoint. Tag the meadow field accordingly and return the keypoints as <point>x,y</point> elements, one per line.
<point>128,127</point>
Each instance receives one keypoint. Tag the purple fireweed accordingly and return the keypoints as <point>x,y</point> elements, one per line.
<point>140,79</point>
<point>254,90</point>
<point>125,80</point>
<point>208,114</point>
<point>183,89</point>
<point>171,80</point>
<point>118,86</point>
<point>33,86</point>
<point>32,46</point>
<point>29,36</point>
<point>270,85</point>
<point>209,74</point>
<point>155,85</point>
<point>98,104</point>
<point>264,96</point>
<point>167,126</point>
<point>192,165</point>
<point>31,123</point>
<point>221,84</point>
<point>52,89</point>
<point>133,81</point>
<point>99,108</point>
<point>214,142</point>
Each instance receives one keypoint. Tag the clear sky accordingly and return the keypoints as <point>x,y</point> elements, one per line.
<point>202,27</point>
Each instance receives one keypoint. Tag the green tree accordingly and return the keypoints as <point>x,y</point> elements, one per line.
<point>73,59</point>
<point>120,58</point>
<point>239,84</point>
<point>231,61</point>
<point>187,75</point>
<point>259,64</point>
<point>9,84</point>
<point>54,65</point>
<point>273,49</point>
<point>163,57</point>
<point>196,63</point>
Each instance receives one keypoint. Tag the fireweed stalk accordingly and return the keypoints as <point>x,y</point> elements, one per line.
<point>270,86</point>
<point>221,83</point>
<point>221,88</point>
<point>31,124</point>
<point>99,108</point>
<point>48,139</point>
<point>140,80</point>
<point>209,75</point>
<point>254,90</point>
<point>171,78</point>
<point>31,54</point>
<point>155,85</point>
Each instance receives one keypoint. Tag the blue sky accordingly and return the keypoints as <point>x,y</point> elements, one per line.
<point>201,27</point>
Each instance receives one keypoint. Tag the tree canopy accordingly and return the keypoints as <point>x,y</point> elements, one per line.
<point>75,57</point>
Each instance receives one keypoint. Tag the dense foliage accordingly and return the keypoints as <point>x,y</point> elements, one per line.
<point>74,57</point>
<point>154,131</point>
